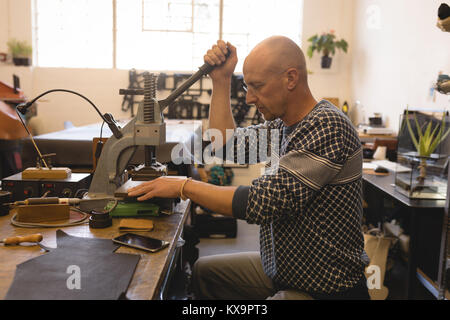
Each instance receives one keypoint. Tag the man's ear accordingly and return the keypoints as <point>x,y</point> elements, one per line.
<point>293,78</point>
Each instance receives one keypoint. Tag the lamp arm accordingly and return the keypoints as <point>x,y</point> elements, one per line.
<point>108,118</point>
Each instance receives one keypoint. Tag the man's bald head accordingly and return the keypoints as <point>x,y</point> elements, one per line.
<point>276,54</point>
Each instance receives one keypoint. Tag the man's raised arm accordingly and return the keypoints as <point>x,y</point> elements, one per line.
<point>220,114</point>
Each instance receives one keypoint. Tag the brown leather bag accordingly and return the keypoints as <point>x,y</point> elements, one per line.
<point>376,245</point>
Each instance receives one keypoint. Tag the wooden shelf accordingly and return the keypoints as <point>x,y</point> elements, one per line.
<point>382,136</point>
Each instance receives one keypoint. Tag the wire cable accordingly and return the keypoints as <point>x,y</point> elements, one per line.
<point>69,91</point>
<point>28,104</point>
<point>101,130</point>
<point>107,117</point>
<point>82,220</point>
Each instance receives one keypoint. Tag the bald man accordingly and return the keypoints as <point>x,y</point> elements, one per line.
<point>308,206</point>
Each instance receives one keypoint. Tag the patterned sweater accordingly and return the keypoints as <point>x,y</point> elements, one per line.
<point>309,207</point>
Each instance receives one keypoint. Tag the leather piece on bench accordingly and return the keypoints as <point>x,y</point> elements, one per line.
<point>104,275</point>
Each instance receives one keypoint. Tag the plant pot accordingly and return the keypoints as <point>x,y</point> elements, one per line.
<point>326,62</point>
<point>19,61</point>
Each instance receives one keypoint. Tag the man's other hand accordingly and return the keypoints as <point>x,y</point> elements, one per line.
<point>162,187</point>
<point>225,66</point>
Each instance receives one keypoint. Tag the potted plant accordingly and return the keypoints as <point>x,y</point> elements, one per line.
<point>21,52</point>
<point>428,140</point>
<point>327,44</point>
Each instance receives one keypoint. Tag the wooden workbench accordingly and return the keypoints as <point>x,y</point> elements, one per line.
<point>150,274</point>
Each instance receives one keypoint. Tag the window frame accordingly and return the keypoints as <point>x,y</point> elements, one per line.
<point>114,30</point>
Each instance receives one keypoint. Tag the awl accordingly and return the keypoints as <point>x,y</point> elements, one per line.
<point>34,238</point>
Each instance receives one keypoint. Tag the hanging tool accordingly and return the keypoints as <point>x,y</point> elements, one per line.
<point>33,238</point>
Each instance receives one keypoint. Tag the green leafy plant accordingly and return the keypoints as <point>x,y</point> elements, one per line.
<point>326,43</point>
<point>19,49</point>
<point>428,141</point>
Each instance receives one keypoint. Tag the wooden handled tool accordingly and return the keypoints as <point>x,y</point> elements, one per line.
<point>37,237</point>
<point>49,200</point>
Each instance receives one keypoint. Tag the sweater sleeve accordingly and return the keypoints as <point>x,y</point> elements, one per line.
<point>240,200</point>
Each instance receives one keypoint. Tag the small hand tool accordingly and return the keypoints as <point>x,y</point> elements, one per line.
<point>33,238</point>
<point>49,200</point>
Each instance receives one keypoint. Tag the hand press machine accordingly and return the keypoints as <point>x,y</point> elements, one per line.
<point>146,129</point>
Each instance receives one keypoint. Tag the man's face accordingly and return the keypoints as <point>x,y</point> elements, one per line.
<point>266,91</point>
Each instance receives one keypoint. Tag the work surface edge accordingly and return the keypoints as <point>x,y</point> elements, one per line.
<point>151,269</point>
<point>386,184</point>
